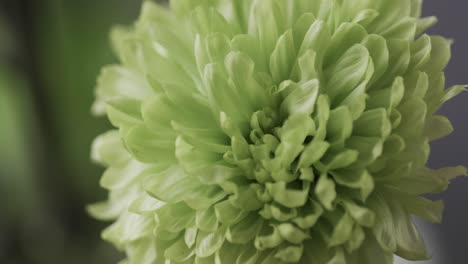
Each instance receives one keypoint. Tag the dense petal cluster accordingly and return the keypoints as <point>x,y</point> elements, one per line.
<point>273,131</point>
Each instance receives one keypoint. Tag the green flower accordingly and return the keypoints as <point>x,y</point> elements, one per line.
<point>273,131</point>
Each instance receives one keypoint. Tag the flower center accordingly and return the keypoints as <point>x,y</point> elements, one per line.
<point>270,158</point>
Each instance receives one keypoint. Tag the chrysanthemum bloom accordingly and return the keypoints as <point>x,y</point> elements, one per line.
<point>273,131</point>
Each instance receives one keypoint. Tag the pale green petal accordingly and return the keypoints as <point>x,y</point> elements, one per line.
<point>119,82</point>
<point>170,185</point>
<point>438,127</point>
<point>283,57</point>
<point>208,243</point>
<point>325,191</point>
<point>228,214</point>
<point>245,230</point>
<point>348,72</point>
<point>440,54</point>
<point>124,112</point>
<point>421,51</point>
<point>399,59</point>
<point>373,123</point>
<point>290,254</point>
<point>178,252</point>
<point>174,217</point>
<point>378,50</point>
<point>206,220</point>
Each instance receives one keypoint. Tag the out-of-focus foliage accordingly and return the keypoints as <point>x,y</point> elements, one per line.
<point>47,77</point>
<point>16,182</point>
<point>71,38</point>
<point>25,218</point>
<point>15,161</point>
<point>72,42</point>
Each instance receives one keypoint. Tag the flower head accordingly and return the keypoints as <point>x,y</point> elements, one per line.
<point>273,131</point>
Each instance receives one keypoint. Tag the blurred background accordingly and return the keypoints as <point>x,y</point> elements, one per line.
<point>51,52</point>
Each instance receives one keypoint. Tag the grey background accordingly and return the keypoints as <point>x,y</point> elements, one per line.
<point>449,242</point>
